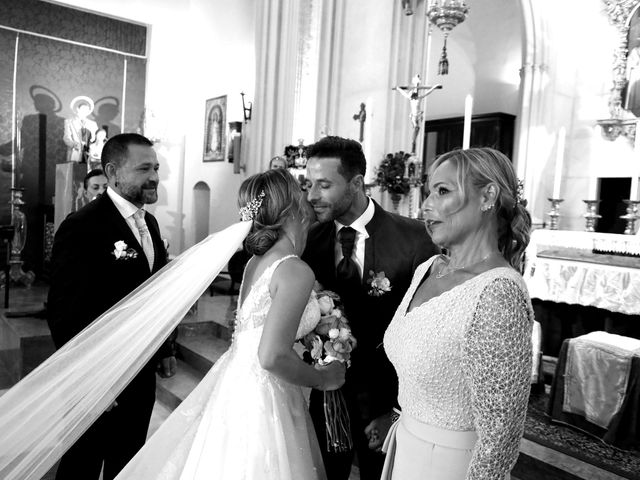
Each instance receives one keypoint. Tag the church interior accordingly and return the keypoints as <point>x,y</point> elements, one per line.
<point>222,87</point>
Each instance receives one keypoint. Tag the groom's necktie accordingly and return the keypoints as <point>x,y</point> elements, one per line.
<point>347,272</point>
<point>145,237</point>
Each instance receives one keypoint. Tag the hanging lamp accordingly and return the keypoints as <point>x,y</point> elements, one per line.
<point>446,15</point>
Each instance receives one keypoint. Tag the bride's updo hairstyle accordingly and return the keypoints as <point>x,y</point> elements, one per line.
<point>269,199</point>
<point>480,166</point>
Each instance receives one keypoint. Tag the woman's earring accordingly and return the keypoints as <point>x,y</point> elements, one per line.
<point>486,208</point>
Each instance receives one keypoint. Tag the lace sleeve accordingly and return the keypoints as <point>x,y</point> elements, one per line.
<point>497,364</point>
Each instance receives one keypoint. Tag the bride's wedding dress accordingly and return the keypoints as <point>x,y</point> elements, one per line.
<point>241,422</point>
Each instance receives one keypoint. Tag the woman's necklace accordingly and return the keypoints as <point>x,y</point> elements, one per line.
<point>441,275</point>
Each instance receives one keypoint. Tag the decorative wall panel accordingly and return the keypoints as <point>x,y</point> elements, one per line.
<point>7,50</point>
<point>69,24</point>
<point>136,77</point>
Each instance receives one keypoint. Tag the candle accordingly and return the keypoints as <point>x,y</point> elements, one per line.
<point>366,147</point>
<point>592,193</point>
<point>559,160</point>
<point>466,133</point>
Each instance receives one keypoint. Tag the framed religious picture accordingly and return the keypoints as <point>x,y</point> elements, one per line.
<point>215,135</point>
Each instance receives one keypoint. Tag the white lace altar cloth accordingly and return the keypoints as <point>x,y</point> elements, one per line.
<point>610,287</point>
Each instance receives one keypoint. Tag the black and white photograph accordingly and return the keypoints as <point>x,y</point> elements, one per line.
<point>320,240</point>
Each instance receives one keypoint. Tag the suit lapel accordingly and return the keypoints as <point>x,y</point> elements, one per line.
<point>158,245</point>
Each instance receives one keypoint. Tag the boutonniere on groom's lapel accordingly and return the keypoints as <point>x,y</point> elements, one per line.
<point>122,252</point>
<point>379,284</point>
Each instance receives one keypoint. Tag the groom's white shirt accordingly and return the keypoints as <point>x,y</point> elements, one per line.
<point>359,225</point>
<point>127,210</point>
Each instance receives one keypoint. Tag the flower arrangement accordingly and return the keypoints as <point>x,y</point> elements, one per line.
<point>379,284</point>
<point>332,341</point>
<point>391,175</point>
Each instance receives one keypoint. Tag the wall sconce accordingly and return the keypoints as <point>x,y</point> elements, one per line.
<point>612,128</point>
<point>246,110</point>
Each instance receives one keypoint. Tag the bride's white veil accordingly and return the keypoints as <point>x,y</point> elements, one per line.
<point>46,412</point>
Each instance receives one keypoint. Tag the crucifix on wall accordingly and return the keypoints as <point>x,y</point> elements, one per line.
<point>361,117</point>
<point>415,93</point>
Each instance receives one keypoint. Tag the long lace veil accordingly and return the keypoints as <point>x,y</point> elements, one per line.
<point>46,412</point>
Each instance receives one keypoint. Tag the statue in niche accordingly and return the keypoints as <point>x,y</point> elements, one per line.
<point>79,130</point>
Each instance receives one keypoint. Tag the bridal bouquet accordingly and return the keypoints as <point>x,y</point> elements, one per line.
<point>332,341</point>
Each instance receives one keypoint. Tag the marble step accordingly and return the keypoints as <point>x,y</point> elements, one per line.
<point>170,392</point>
<point>198,347</point>
<point>201,351</point>
<point>25,342</point>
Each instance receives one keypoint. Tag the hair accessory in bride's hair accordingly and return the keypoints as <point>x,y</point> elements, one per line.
<point>520,194</point>
<point>250,210</point>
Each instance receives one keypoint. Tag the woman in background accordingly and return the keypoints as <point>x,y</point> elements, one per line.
<point>461,338</point>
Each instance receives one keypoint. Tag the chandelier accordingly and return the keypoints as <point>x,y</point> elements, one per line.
<point>446,15</point>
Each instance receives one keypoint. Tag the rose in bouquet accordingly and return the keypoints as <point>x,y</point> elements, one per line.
<point>332,341</point>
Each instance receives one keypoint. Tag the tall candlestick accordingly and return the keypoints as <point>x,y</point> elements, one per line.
<point>466,133</point>
<point>562,133</point>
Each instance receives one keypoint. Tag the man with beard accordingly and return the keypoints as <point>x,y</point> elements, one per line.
<point>368,257</point>
<point>116,238</point>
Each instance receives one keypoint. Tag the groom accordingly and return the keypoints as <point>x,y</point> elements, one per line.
<point>87,279</point>
<point>354,242</point>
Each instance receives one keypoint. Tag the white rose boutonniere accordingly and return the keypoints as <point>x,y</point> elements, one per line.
<point>379,284</point>
<point>122,252</point>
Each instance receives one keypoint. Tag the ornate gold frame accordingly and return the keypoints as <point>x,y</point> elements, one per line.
<point>619,12</point>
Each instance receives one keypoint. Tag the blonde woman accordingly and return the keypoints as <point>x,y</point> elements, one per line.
<point>460,340</point>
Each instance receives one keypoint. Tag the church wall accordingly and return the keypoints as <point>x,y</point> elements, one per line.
<point>223,33</point>
<point>384,48</point>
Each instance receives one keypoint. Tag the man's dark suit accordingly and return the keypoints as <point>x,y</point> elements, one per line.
<point>87,280</point>
<point>396,246</point>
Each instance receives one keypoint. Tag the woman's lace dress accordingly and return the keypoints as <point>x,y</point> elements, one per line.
<point>241,422</point>
<point>463,361</point>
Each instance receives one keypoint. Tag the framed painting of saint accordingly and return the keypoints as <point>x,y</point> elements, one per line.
<point>215,125</point>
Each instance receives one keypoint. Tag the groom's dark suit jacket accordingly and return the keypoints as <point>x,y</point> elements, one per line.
<point>396,246</point>
<point>86,281</point>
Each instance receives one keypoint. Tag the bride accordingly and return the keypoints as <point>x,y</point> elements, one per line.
<point>248,418</point>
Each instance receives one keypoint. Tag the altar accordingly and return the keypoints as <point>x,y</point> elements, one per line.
<point>581,282</point>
